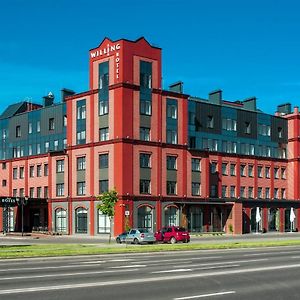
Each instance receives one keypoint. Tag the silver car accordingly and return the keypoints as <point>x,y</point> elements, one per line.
<point>139,236</point>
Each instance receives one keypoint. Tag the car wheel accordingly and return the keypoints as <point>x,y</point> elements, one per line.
<point>118,240</point>
<point>173,240</point>
<point>188,241</point>
<point>136,241</point>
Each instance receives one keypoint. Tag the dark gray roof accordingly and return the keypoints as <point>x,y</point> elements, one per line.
<point>14,109</point>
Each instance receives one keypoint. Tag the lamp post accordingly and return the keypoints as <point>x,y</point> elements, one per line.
<point>21,202</point>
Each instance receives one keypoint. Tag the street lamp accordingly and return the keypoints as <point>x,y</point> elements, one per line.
<point>22,201</point>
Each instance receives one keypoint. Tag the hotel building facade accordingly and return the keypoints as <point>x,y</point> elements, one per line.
<point>206,164</point>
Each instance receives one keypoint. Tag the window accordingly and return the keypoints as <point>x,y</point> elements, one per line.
<point>51,124</point>
<point>56,145</point>
<point>172,111</point>
<point>171,187</point>
<point>104,134</point>
<point>31,192</point>
<point>232,170</point>
<point>15,192</point>
<point>61,220</point>
<point>46,170</point>
<point>145,107</point>
<point>232,191</point>
<point>18,131</point>
<point>103,161</point>
<point>4,134</point>
<point>171,136</point>
<point>29,149</point>
<point>210,144</point>
<point>65,143</point>
<point>60,189</point>
<point>250,191</point>
<point>81,220</point>
<point>39,192</point>
<point>81,112</point>
<point>267,172</point>
<point>280,132</point>
<point>243,170</point>
<point>38,170</point>
<point>242,192</point>
<point>210,122</point>
<point>145,186</point>
<point>3,166</point>
<point>81,188</point>
<point>103,223</point>
<point>29,128</point>
<point>145,134</point>
<point>224,169</point>
<point>276,193</point>
<point>4,182</point>
<point>45,192</point>
<point>15,173</point>
<point>224,191</point>
<point>259,192</point>
<point>213,191</point>
<point>229,147</point>
<point>31,171</point>
<point>103,186</point>
<point>145,160</point>
<point>38,148</point>
<point>229,124</point>
<point>264,130</point>
<point>60,166</point>
<point>283,196</point>
<point>259,171</point>
<point>247,127</point>
<point>103,108</point>
<point>250,170</point>
<point>171,163</point>
<point>65,121</point>
<point>81,137</point>
<point>47,146</point>
<point>283,173</point>
<point>145,75</point>
<point>195,188</point>
<point>38,126</point>
<point>196,167</point>
<point>267,192</point>
<point>80,163</point>
<point>276,173</point>
<point>213,167</point>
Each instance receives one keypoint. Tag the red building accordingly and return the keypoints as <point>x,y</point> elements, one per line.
<point>206,164</point>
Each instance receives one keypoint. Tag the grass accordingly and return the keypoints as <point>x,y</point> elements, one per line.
<point>92,249</point>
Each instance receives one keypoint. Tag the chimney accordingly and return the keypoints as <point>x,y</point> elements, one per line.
<point>48,100</point>
<point>65,93</point>
<point>284,109</point>
<point>215,97</point>
<point>250,103</point>
<point>176,87</point>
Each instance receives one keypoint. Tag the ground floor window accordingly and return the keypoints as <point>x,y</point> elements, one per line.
<point>145,217</point>
<point>217,219</point>
<point>103,223</point>
<point>289,219</point>
<point>81,220</point>
<point>256,219</point>
<point>273,219</point>
<point>195,219</point>
<point>60,220</point>
<point>171,216</point>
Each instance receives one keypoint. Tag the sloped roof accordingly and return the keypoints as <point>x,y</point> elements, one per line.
<point>13,109</point>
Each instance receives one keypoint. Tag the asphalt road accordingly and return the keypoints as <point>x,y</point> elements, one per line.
<point>269,273</point>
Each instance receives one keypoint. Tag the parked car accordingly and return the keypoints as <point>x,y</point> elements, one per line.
<point>139,236</point>
<point>172,234</point>
<point>121,237</point>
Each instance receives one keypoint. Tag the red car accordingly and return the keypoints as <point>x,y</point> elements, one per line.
<point>172,234</point>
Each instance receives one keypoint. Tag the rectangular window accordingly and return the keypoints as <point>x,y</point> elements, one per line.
<point>243,170</point>
<point>172,136</point>
<point>276,190</point>
<point>242,192</point>
<point>31,171</point>
<point>145,160</point>
<point>81,137</point>
<point>56,145</point>
<point>38,126</point>
<point>283,173</point>
<point>31,192</point>
<point>29,149</point>
<point>171,163</point>
<point>267,191</point>
<point>250,170</point>
<point>276,173</point>
<point>224,191</point>
<point>247,127</point>
<point>103,108</point>
<point>103,161</point>
<point>195,188</point>
<point>267,172</point>
<point>18,131</point>
<point>29,128</point>
<point>47,146</point>
<point>145,186</point>
<point>81,188</point>
<point>145,107</point>
<point>38,148</point>
<point>232,170</point>
<point>259,171</point>
<point>51,124</point>
<point>15,173</point>
<point>232,191</point>
<point>145,75</point>
<point>280,132</point>
<point>45,192</point>
<point>213,167</point>
<point>60,166</point>
<point>103,186</point>
<point>259,193</point>
<point>172,111</point>
<point>104,134</point>
<point>283,196</point>
<point>229,124</point>
<point>39,192</point>
<point>196,166</point>
<point>60,189</point>
<point>171,187</point>
<point>81,112</point>
<point>15,192</point>
<point>65,121</point>
<point>224,169</point>
<point>46,170</point>
<point>210,122</point>
<point>38,170</point>
<point>3,166</point>
<point>145,134</point>
<point>80,163</point>
<point>4,134</point>
<point>213,191</point>
<point>65,143</point>
<point>4,182</point>
<point>250,191</point>
<point>21,192</point>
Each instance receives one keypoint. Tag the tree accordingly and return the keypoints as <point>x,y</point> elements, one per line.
<point>107,205</point>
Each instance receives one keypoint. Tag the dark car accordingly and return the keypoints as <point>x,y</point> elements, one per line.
<point>121,237</point>
<point>172,234</point>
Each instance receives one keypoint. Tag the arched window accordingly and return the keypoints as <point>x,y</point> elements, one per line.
<point>145,217</point>
<point>61,220</point>
<point>81,220</point>
<point>171,216</point>
<point>103,223</point>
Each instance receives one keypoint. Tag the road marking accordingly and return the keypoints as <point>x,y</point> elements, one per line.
<point>172,271</point>
<point>143,280</point>
<point>89,262</point>
<point>205,295</point>
<point>268,253</point>
<point>129,266</point>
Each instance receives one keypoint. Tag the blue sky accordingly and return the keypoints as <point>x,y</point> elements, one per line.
<point>245,48</point>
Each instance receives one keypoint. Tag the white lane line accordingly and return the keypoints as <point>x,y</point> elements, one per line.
<point>144,280</point>
<point>268,253</point>
<point>129,266</point>
<point>64,274</point>
<point>89,262</point>
<point>205,295</point>
<point>172,271</point>
<point>179,260</point>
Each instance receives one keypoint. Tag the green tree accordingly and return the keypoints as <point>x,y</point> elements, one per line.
<point>107,204</point>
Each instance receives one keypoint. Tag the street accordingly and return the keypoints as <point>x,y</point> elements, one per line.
<point>264,273</point>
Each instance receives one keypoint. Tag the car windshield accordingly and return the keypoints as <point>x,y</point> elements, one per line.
<point>143,230</point>
<point>181,229</point>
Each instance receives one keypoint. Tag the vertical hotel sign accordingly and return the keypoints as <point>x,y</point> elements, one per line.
<point>107,51</point>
